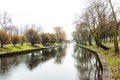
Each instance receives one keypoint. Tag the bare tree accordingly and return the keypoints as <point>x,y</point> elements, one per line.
<point>11,29</point>
<point>116,27</point>
<point>32,36</point>
<point>102,21</point>
<point>4,38</point>
<point>5,19</point>
<point>60,34</point>
<point>15,39</point>
<point>95,21</point>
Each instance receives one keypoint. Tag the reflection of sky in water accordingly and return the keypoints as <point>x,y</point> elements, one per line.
<point>46,70</point>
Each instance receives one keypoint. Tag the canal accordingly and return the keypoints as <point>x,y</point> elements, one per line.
<point>67,62</point>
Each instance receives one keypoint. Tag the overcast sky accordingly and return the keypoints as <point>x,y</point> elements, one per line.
<point>47,13</point>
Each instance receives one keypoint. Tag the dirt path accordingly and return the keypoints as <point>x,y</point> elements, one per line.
<point>107,72</point>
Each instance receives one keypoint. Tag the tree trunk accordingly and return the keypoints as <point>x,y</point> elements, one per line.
<point>85,42</point>
<point>116,29</point>
<point>99,44</point>
<point>90,43</point>
<point>116,41</point>
<point>89,40</point>
<point>1,45</point>
<point>32,44</point>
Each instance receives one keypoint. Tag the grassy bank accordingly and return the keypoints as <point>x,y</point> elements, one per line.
<point>112,59</point>
<point>11,48</point>
<point>18,47</point>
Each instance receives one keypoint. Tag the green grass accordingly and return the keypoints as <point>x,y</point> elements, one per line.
<point>11,48</point>
<point>112,58</point>
<point>114,62</point>
<point>18,47</point>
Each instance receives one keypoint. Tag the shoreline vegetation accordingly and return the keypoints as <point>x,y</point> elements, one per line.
<point>112,59</point>
<point>29,38</point>
<point>9,49</point>
<point>18,47</point>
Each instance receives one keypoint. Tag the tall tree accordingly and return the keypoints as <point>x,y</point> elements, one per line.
<point>96,20</point>
<point>45,38</point>
<point>4,38</point>
<point>15,39</point>
<point>53,38</point>
<point>32,36</point>
<point>102,21</point>
<point>23,40</point>
<point>116,28</point>
<point>5,19</point>
<point>60,34</point>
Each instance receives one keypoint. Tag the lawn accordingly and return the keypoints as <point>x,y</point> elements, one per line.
<point>18,47</point>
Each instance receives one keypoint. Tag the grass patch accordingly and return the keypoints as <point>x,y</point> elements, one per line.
<point>18,47</point>
<point>114,62</point>
<point>11,48</point>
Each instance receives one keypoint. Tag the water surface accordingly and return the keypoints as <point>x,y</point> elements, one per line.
<point>68,62</point>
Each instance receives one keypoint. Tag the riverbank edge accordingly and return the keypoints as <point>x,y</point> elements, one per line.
<point>4,54</point>
<point>107,72</point>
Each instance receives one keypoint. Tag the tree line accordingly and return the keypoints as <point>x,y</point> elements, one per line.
<point>10,34</point>
<point>98,22</point>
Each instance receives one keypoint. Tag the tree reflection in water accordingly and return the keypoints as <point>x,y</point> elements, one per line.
<point>32,59</point>
<point>83,63</point>
<point>88,64</point>
<point>60,54</point>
